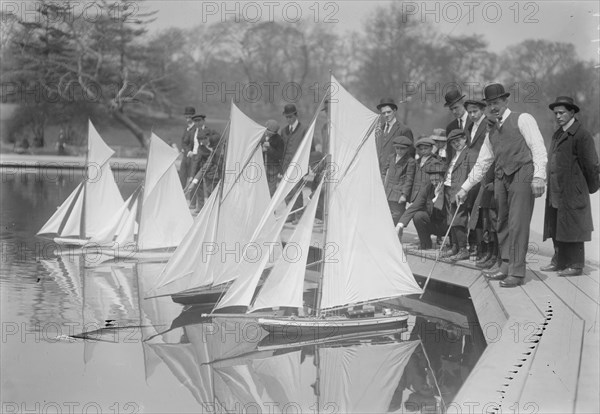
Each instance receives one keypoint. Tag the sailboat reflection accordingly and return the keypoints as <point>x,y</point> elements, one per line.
<point>235,366</point>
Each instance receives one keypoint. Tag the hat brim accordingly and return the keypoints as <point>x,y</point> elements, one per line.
<point>480,104</point>
<point>565,104</point>
<point>454,101</point>
<point>504,95</point>
<point>391,105</point>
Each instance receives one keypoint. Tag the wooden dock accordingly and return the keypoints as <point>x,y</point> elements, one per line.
<point>543,341</point>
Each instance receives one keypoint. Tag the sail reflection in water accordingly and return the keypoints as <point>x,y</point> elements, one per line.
<point>232,365</point>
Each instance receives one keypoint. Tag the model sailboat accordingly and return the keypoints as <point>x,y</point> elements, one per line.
<point>85,214</point>
<point>156,216</point>
<point>207,260</point>
<point>363,260</point>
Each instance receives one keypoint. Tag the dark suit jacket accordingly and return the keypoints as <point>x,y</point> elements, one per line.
<point>479,137</point>
<point>273,156</point>
<point>291,142</point>
<point>399,177</point>
<point>187,140</point>
<point>421,178</point>
<point>384,142</point>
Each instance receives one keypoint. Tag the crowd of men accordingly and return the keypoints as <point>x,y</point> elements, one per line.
<point>476,180</point>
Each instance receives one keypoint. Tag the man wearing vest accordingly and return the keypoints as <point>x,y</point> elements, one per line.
<point>516,145</point>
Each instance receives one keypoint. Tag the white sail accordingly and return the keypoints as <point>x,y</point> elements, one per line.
<point>99,190</point>
<point>72,222</point>
<point>127,225</point>
<point>188,267</point>
<point>297,169</point>
<point>53,224</point>
<point>240,293</point>
<point>368,263</point>
<point>116,224</point>
<point>284,285</point>
<point>165,217</point>
<point>211,250</point>
<point>102,198</point>
<point>245,194</point>
<point>362,378</point>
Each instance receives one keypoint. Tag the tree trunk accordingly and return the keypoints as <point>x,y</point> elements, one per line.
<point>131,126</point>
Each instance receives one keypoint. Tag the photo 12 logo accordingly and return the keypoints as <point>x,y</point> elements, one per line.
<point>269,11</point>
<point>470,11</point>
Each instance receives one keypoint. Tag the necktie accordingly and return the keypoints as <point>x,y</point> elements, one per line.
<point>460,126</point>
<point>387,127</point>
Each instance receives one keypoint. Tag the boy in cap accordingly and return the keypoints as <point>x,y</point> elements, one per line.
<point>399,177</point>
<point>272,146</point>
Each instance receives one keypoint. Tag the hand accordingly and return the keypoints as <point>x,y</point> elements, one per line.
<point>538,186</point>
<point>461,196</point>
<point>400,229</point>
<point>190,154</point>
<point>489,186</point>
<point>402,199</point>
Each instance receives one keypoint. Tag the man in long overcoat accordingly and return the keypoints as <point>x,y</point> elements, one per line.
<point>573,173</point>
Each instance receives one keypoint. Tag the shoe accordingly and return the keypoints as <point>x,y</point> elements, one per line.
<point>570,271</point>
<point>496,267</point>
<point>462,254</point>
<point>487,264</point>
<point>550,268</point>
<point>495,276</point>
<point>484,259</point>
<point>511,281</point>
<point>448,253</point>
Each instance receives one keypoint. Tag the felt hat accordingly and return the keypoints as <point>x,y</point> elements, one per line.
<point>272,125</point>
<point>198,117</point>
<point>189,111</point>
<point>290,109</point>
<point>387,102</point>
<point>565,101</point>
<point>453,96</point>
<point>425,141</point>
<point>494,91</point>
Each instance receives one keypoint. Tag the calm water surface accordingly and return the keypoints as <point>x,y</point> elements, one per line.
<point>152,355</point>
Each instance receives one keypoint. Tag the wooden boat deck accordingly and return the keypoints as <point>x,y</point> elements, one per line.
<point>543,339</point>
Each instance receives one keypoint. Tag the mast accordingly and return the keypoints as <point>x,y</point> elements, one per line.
<point>327,151</point>
<point>138,215</point>
<point>86,168</point>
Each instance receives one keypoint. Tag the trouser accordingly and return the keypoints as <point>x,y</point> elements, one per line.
<point>397,209</point>
<point>515,201</point>
<point>426,226</point>
<point>184,169</point>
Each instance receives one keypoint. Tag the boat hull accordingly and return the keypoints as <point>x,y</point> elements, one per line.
<point>319,328</point>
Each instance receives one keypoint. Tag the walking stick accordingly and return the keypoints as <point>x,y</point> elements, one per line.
<point>437,256</point>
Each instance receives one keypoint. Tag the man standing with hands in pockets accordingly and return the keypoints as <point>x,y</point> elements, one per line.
<point>515,143</point>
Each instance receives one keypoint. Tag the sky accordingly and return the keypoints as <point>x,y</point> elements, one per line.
<point>501,23</point>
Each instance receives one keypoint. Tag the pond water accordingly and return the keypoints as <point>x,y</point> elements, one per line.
<point>153,355</point>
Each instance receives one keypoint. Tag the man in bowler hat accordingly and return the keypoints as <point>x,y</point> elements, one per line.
<point>516,145</point>
<point>573,173</point>
<point>387,128</point>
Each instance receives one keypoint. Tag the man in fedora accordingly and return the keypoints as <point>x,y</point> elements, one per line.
<point>387,128</point>
<point>573,173</point>
<point>399,177</point>
<point>187,142</point>
<point>516,145</point>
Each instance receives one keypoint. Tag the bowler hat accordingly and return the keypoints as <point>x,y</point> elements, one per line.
<point>189,111</point>
<point>424,141</point>
<point>456,133</point>
<point>290,109</point>
<point>198,117</point>
<point>565,101</point>
<point>480,104</point>
<point>387,102</point>
<point>453,97</point>
<point>401,141</point>
<point>494,91</point>
<point>272,125</point>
